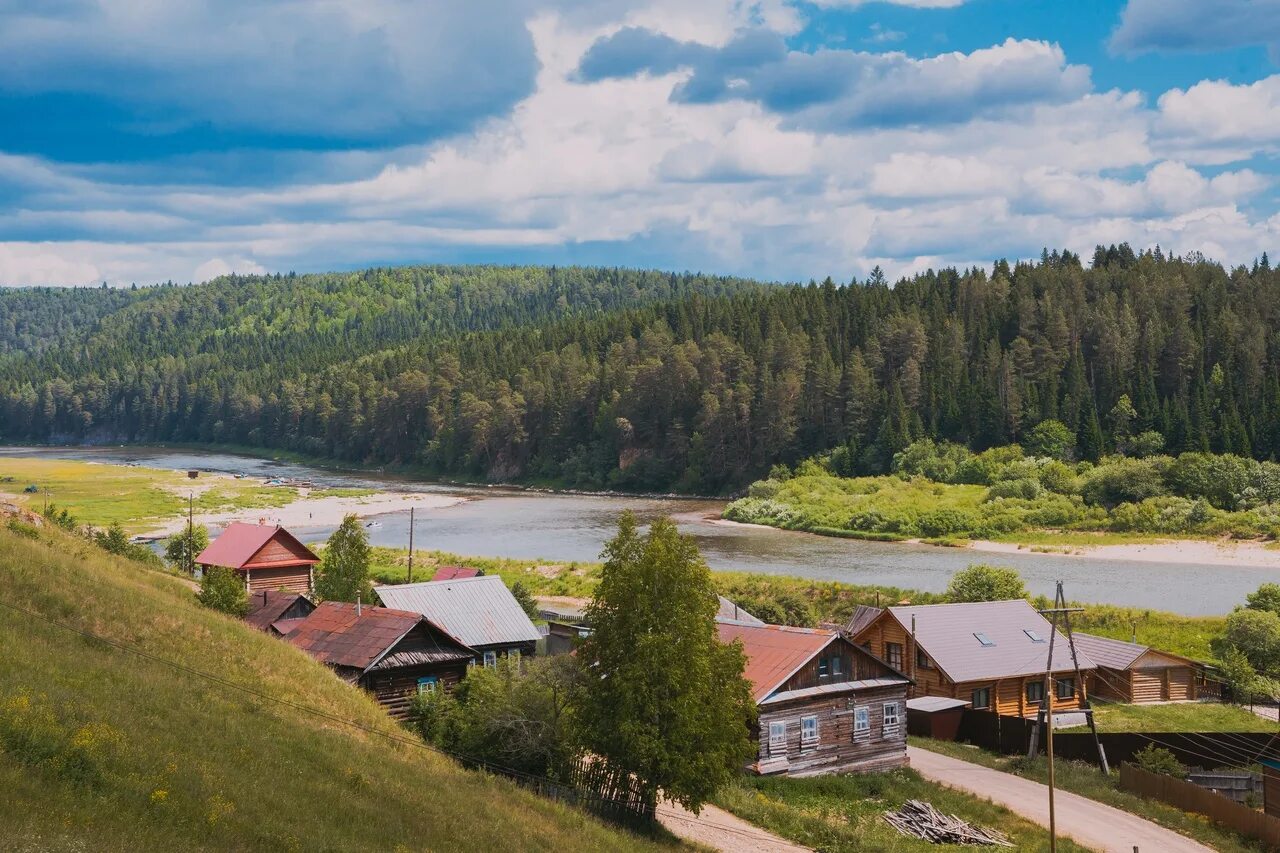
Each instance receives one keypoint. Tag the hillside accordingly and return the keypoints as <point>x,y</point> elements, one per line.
<point>105,750</point>
<point>649,381</point>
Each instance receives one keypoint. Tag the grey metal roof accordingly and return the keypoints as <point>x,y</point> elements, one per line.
<point>730,612</point>
<point>837,688</point>
<point>477,611</point>
<point>934,703</point>
<point>946,632</point>
<point>1104,651</point>
<point>863,615</point>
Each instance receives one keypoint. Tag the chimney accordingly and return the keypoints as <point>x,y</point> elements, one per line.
<point>357,605</point>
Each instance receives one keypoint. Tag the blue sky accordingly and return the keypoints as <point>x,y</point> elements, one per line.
<point>778,139</point>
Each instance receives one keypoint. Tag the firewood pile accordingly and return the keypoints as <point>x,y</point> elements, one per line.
<point>921,820</point>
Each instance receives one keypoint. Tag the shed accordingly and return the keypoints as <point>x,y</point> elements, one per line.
<point>394,654</point>
<point>1130,672</point>
<point>275,611</point>
<point>481,612</point>
<point>937,717</point>
<point>265,556</point>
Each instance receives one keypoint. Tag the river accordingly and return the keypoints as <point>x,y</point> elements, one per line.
<point>502,522</point>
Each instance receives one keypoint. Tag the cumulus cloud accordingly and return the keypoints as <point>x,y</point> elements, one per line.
<point>1197,25</point>
<point>843,89</point>
<point>1220,112</point>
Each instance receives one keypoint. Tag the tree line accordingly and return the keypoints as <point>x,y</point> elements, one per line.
<point>647,381</point>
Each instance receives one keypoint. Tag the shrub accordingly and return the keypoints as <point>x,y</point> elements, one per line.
<point>1025,489</point>
<point>521,594</point>
<point>1119,480</point>
<point>938,461</point>
<point>1221,480</point>
<point>1058,477</point>
<point>1050,438</point>
<point>945,522</point>
<point>221,589</point>
<point>20,527</point>
<point>981,582</point>
<point>981,470</point>
<point>1158,760</point>
<point>1145,444</point>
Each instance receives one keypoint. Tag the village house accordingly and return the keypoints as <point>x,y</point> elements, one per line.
<point>991,654</point>
<point>394,654</point>
<point>277,612</point>
<point>263,556</point>
<point>480,612</point>
<point>1129,672</point>
<point>825,705</point>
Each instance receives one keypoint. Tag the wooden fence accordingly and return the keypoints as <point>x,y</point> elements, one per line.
<point>1192,798</point>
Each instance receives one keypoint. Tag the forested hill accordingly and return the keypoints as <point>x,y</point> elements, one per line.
<point>594,377</point>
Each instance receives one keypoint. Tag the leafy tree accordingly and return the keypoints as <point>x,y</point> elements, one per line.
<point>1158,760</point>
<point>981,582</point>
<point>1266,597</point>
<point>221,589</point>
<point>1239,675</point>
<point>1146,443</point>
<point>1256,633</point>
<point>1051,438</point>
<point>527,603</point>
<point>344,565</point>
<point>1123,481</point>
<point>666,703</point>
<point>182,548</point>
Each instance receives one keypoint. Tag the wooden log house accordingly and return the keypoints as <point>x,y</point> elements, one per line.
<point>479,611</point>
<point>991,654</point>
<point>825,705</point>
<point>266,557</point>
<point>394,654</point>
<point>1130,672</point>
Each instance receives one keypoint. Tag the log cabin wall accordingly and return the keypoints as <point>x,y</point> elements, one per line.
<point>280,549</point>
<point>836,748</point>
<point>291,578</point>
<point>395,689</point>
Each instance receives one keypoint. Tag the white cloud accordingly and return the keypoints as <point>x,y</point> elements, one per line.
<point>1218,112</point>
<point>1196,25</point>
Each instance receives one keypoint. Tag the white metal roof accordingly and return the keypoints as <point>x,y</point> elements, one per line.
<point>477,611</point>
<point>837,687</point>
<point>934,703</point>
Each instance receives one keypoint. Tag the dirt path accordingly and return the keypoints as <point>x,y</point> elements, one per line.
<point>720,830</point>
<point>1086,821</point>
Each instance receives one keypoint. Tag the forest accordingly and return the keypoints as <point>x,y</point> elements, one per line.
<point>634,380</point>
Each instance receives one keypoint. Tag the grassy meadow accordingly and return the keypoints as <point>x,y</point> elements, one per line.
<point>845,813</point>
<point>1181,717</point>
<point>101,749</point>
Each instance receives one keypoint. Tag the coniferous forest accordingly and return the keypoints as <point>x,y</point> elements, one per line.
<point>609,378</point>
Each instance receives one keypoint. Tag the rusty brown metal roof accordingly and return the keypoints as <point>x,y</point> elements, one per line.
<point>266,607</point>
<point>774,652</point>
<point>334,634</point>
<point>450,573</point>
<point>236,546</point>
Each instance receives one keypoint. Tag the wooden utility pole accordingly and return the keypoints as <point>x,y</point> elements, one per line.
<point>190,544</point>
<point>410,544</point>
<point>1046,704</point>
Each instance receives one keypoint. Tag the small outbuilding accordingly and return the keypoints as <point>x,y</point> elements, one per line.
<point>393,654</point>
<point>1130,672</point>
<point>266,557</point>
<point>936,717</point>
<point>276,611</point>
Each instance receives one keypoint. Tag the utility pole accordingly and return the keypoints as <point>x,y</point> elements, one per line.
<point>190,544</point>
<point>410,544</point>
<point>1046,704</point>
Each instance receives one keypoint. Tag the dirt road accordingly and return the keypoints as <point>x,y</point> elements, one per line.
<point>719,830</point>
<point>1086,821</point>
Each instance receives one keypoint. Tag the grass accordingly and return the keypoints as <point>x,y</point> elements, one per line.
<point>1189,636</point>
<point>1181,717</point>
<point>1084,779</point>
<point>845,813</point>
<point>101,749</point>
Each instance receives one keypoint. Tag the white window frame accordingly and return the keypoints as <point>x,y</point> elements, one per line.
<point>861,722</point>
<point>891,714</point>
<point>777,737</point>
<point>429,684</point>
<point>491,659</point>
<point>807,721</point>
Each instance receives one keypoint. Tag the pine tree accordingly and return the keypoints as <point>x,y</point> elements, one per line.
<point>1089,441</point>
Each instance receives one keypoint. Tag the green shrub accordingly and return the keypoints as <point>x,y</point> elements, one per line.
<point>20,527</point>
<point>1158,760</point>
<point>221,589</point>
<point>981,470</point>
<point>1026,489</point>
<point>945,522</point>
<point>1050,438</point>
<point>1119,480</point>
<point>1256,633</point>
<point>938,461</point>
<point>1144,444</point>
<point>981,582</point>
<point>1058,477</point>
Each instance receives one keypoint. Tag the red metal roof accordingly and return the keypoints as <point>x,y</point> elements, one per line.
<point>334,634</point>
<point>236,546</point>
<point>453,573</point>
<point>774,652</point>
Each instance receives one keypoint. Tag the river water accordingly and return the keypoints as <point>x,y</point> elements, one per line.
<point>499,522</point>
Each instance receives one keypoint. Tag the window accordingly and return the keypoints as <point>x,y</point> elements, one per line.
<point>892,716</point>
<point>427,685</point>
<point>837,666</point>
<point>984,639</point>
<point>777,738</point>
<point>808,731</point>
<point>513,655</point>
<point>861,722</point>
<point>893,655</point>
<point>922,660</point>
<point>824,667</point>
<point>1035,692</point>
<point>981,698</point>
<point>491,659</point>
<point>1065,688</point>
<point>1035,638</point>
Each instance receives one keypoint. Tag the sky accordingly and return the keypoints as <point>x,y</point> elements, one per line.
<point>143,142</point>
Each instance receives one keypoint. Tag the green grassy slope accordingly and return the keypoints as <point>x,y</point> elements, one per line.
<point>101,749</point>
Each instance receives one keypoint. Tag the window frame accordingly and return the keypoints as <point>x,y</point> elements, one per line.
<point>861,713</point>
<point>778,744</point>
<point>984,639</point>
<point>889,724</point>
<point>837,666</point>
<point>893,655</point>
<point>1058,683</point>
<point>973,699</point>
<point>805,722</point>
<point>490,659</point>
<point>922,659</point>
<point>1039,685</point>
<point>824,667</point>
<point>428,684</point>
<point>1033,636</point>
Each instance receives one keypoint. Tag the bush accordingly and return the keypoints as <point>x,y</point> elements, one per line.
<point>1267,597</point>
<point>1221,480</point>
<point>1058,477</point>
<point>221,589</point>
<point>1025,489</point>
<point>937,461</point>
<point>1050,438</point>
<point>981,582</point>
<point>1158,760</point>
<point>981,470</point>
<point>1119,480</point>
<point>20,527</point>
<point>945,522</point>
<point>1144,444</point>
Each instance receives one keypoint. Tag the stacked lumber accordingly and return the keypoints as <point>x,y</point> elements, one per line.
<point>921,820</point>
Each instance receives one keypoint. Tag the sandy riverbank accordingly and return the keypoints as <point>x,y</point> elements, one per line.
<point>1212,552</point>
<point>317,512</point>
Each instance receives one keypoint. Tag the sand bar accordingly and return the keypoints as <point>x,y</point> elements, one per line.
<point>317,512</point>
